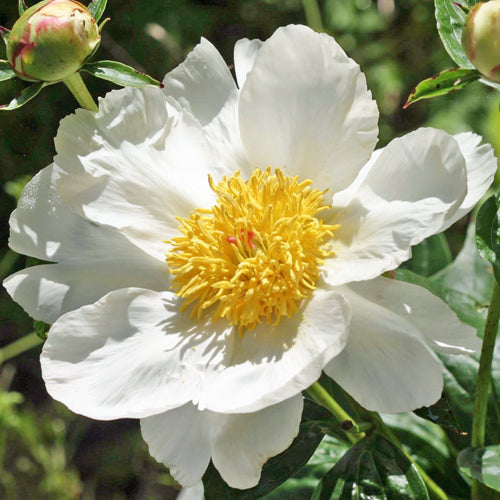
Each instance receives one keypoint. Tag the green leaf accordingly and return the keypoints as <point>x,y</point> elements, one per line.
<point>428,444</point>
<point>372,468</point>
<point>430,256</point>
<point>6,71</point>
<point>119,73</point>
<point>482,464</point>
<point>440,413</point>
<point>449,80</point>
<point>97,8</point>
<point>450,22</point>
<point>21,7</point>
<point>469,274</point>
<point>302,484</point>
<point>26,95</point>
<point>488,233</point>
<point>277,469</point>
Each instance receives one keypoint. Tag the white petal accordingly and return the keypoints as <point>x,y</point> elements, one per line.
<point>305,108</point>
<point>49,291</point>
<point>184,439</point>
<point>481,165</point>
<point>245,52</point>
<point>272,363</point>
<point>384,367</point>
<point>428,317</point>
<point>136,186</point>
<point>223,136</point>
<point>94,259</point>
<point>131,354</point>
<point>248,440</point>
<point>412,187</point>
<point>202,83</point>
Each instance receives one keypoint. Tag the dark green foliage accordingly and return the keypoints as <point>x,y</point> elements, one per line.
<point>372,468</point>
<point>488,233</point>
<point>482,464</point>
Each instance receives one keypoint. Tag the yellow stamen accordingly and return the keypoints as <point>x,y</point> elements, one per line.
<point>256,254</point>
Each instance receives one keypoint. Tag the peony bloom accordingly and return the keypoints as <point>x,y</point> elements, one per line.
<point>214,247</point>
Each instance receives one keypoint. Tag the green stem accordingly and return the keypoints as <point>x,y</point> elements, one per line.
<point>322,397</point>
<point>313,15</point>
<point>19,346</point>
<point>484,379</point>
<point>434,489</point>
<point>75,84</point>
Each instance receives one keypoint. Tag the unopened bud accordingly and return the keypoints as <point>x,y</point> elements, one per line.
<point>52,40</point>
<point>481,38</point>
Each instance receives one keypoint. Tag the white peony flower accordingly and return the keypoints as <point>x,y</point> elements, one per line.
<point>214,247</point>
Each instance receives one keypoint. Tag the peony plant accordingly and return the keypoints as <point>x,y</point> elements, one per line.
<point>215,246</point>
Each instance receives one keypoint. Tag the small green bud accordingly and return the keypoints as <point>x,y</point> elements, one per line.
<point>52,40</point>
<point>481,38</point>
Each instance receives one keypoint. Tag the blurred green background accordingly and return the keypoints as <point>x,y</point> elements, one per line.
<point>45,451</point>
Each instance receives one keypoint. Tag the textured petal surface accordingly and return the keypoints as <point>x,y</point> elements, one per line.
<point>132,354</point>
<point>139,181</point>
<point>94,259</point>
<point>426,315</point>
<point>184,439</point>
<point>49,291</point>
<point>202,83</point>
<point>385,366</point>
<point>128,355</point>
<point>412,187</point>
<point>307,110</point>
<point>481,165</point>
<point>273,363</point>
<point>223,137</point>
<point>245,52</point>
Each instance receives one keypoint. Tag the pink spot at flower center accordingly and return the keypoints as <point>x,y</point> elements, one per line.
<point>250,235</point>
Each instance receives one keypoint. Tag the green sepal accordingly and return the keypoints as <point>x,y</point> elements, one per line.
<point>372,468</point>
<point>279,468</point>
<point>41,329</point>
<point>119,73</point>
<point>105,21</point>
<point>21,7</point>
<point>488,233</point>
<point>97,8</point>
<point>26,95</point>
<point>6,71</point>
<point>4,33</point>
<point>449,80</point>
<point>482,464</point>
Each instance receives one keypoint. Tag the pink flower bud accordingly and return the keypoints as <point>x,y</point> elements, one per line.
<point>481,38</point>
<point>52,40</point>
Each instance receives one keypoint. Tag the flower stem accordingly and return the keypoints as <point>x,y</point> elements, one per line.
<point>484,379</point>
<point>322,397</point>
<point>313,15</point>
<point>75,84</point>
<point>19,346</point>
<point>434,489</point>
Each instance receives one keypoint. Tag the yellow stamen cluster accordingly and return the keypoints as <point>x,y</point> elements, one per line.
<point>256,254</point>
